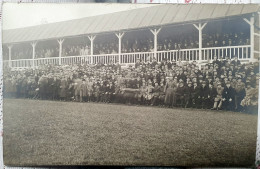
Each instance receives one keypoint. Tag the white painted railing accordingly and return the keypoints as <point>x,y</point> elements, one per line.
<point>131,57</point>
<point>243,53</point>
<point>69,60</point>
<point>105,58</point>
<point>22,63</point>
<point>44,61</point>
<point>175,55</point>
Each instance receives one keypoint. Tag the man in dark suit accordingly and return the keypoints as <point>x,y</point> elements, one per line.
<point>188,96</point>
<point>228,97</point>
<point>204,92</point>
<point>212,93</point>
<point>180,93</point>
<point>195,95</point>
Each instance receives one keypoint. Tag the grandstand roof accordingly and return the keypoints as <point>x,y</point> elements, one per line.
<point>132,19</point>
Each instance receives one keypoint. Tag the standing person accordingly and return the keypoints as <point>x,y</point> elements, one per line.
<point>204,93</point>
<point>218,99</point>
<point>63,88</point>
<point>211,96</point>
<point>83,91</point>
<point>43,82</point>
<point>102,91</point>
<point>228,97</point>
<point>239,94</point>
<point>174,92</point>
<point>111,92</point>
<point>141,95</point>
<point>169,89</point>
<point>156,94</point>
<point>96,93</point>
<point>90,90</point>
<point>195,95</point>
<point>50,86</point>
<point>77,89</point>
<point>149,93</point>
<point>180,94</point>
<point>188,96</point>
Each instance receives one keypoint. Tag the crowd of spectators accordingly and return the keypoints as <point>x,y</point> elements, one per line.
<point>176,42</point>
<point>42,52</point>
<point>226,39</point>
<point>222,84</point>
<point>21,53</point>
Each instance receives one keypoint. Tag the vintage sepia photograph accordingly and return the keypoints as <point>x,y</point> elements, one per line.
<point>130,84</point>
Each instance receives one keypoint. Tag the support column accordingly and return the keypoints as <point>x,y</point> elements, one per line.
<point>91,38</point>
<point>10,55</point>
<point>120,36</point>
<point>60,41</point>
<point>200,28</point>
<point>155,33</point>
<point>252,39</point>
<point>33,53</point>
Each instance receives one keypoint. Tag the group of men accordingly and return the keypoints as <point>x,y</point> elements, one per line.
<point>220,84</point>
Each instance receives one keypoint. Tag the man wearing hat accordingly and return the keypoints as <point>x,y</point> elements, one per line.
<point>195,95</point>
<point>228,97</point>
<point>180,94</point>
<point>212,93</point>
<point>239,93</point>
<point>83,91</point>
<point>204,92</point>
<point>188,96</point>
<point>218,99</point>
<point>149,93</point>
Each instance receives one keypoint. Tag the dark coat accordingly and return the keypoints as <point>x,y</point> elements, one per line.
<point>229,93</point>
<point>204,92</point>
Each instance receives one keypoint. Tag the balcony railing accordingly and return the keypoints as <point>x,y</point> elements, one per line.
<point>243,53</point>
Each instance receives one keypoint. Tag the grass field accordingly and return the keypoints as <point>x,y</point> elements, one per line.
<point>68,133</point>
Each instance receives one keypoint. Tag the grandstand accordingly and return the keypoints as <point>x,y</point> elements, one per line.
<point>165,32</point>
<point>126,88</point>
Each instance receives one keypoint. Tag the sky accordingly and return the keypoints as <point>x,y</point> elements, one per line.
<point>18,15</point>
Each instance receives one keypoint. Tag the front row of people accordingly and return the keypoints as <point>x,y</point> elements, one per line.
<point>174,94</point>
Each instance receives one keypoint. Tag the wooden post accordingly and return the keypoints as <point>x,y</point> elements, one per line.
<point>60,41</point>
<point>33,53</point>
<point>91,38</point>
<point>155,33</point>
<point>200,28</point>
<point>120,36</point>
<point>252,37</point>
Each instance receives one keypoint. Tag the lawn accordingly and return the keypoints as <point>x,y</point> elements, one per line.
<point>68,133</point>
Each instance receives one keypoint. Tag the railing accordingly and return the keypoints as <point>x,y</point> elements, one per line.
<point>43,61</point>
<point>243,53</point>
<point>69,60</point>
<point>105,58</point>
<point>22,63</point>
<point>175,55</point>
<point>131,57</point>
